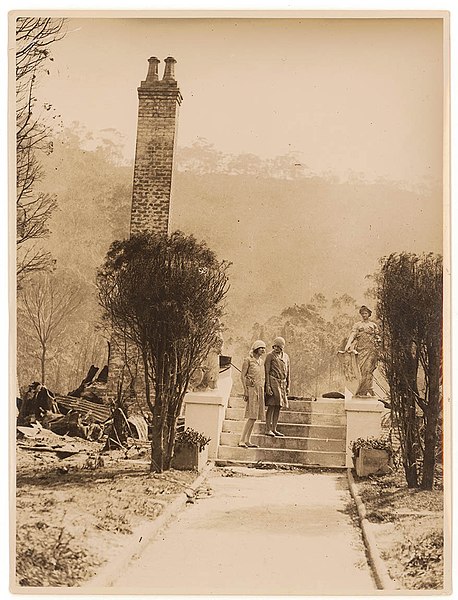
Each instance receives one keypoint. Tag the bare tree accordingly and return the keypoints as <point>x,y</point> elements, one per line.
<point>410,294</point>
<point>164,293</point>
<point>34,36</point>
<point>48,303</point>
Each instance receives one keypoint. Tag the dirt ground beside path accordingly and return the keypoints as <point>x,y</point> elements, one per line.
<point>409,528</point>
<point>73,514</point>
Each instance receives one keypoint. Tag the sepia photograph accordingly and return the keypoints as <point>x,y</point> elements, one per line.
<point>229,273</point>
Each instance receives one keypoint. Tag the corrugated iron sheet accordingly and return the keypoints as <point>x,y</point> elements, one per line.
<point>97,412</point>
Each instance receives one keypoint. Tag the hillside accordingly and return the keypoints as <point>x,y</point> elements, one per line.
<point>287,238</point>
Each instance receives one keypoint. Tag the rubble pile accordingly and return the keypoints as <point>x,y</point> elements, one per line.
<point>82,413</point>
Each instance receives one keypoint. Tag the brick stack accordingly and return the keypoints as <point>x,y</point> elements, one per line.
<point>158,103</point>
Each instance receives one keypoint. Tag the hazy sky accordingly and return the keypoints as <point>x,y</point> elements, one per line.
<point>349,94</point>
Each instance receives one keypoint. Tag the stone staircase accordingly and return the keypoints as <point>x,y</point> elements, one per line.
<point>315,433</point>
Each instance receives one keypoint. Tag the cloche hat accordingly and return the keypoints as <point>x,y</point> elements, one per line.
<point>258,344</point>
<point>279,341</point>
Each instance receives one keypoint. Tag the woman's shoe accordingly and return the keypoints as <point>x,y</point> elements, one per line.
<point>242,445</point>
<point>271,433</point>
<point>252,446</point>
<point>278,434</point>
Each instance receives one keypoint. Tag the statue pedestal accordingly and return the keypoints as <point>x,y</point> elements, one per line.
<point>204,411</point>
<point>364,416</point>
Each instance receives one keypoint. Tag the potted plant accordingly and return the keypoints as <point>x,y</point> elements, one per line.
<point>372,456</point>
<point>191,451</point>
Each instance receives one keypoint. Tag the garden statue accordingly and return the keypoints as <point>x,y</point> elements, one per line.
<point>206,376</point>
<point>360,355</point>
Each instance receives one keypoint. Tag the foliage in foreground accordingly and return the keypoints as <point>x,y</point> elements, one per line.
<point>422,559</point>
<point>410,295</point>
<point>193,437</point>
<point>57,560</point>
<point>163,294</point>
<point>412,530</point>
<point>371,443</point>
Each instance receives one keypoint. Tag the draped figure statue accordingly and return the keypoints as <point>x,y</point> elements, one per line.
<point>363,346</point>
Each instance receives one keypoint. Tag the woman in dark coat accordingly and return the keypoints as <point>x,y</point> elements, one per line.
<point>277,385</point>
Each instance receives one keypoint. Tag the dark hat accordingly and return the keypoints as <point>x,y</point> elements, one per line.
<point>365,308</point>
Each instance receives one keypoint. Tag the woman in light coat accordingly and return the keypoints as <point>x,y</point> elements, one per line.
<point>253,377</point>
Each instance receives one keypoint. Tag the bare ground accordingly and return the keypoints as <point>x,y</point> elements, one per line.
<point>409,529</point>
<point>76,511</point>
<point>73,514</point>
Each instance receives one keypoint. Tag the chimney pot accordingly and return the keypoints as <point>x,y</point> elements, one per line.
<point>169,71</point>
<point>153,69</point>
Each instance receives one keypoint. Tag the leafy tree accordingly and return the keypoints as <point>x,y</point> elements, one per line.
<point>313,333</point>
<point>34,36</point>
<point>410,307</point>
<point>201,157</point>
<point>164,295</point>
<point>95,195</point>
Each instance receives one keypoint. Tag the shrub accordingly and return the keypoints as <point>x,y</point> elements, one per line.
<point>374,443</point>
<point>192,437</point>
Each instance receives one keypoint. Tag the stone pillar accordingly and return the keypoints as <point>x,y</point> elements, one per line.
<point>364,419</point>
<point>158,102</point>
<point>204,411</point>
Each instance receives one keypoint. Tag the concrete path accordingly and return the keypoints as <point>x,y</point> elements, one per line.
<point>258,532</point>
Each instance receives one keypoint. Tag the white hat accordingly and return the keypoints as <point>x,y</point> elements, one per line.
<point>257,344</point>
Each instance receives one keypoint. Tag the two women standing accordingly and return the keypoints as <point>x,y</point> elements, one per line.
<point>274,373</point>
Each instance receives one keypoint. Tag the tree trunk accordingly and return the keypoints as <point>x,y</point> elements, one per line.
<point>43,364</point>
<point>169,439</point>
<point>157,441</point>
<point>432,417</point>
<point>157,449</point>
<point>429,458</point>
<point>410,458</point>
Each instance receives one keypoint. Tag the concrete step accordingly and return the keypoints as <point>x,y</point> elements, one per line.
<point>335,432</point>
<point>290,416</point>
<point>290,443</point>
<point>320,405</point>
<point>282,456</point>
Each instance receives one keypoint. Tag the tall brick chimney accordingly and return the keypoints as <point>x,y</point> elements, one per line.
<point>158,102</point>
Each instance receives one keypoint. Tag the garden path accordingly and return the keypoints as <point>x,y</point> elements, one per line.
<point>258,532</point>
